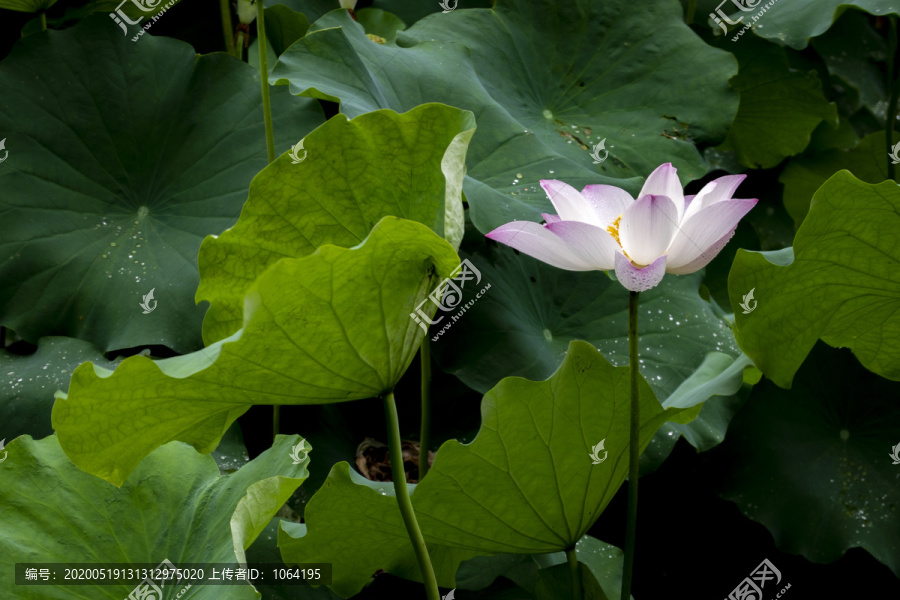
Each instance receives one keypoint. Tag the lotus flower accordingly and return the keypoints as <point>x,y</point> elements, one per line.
<point>603,228</point>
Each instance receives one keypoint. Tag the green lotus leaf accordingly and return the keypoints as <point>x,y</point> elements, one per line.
<point>805,174</point>
<point>838,283</point>
<point>545,92</point>
<point>283,27</point>
<point>29,382</point>
<point>851,50</point>
<point>350,175</point>
<point>133,9</point>
<point>380,23</point>
<point>792,23</point>
<point>523,324</point>
<point>174,506</point>
<point>413,10</point>
<point>26,5</point>
<point>152,148</point>
<point>603,560</point>
<point>814,464</point>
<point>330,327</point>
<point>311,9</point>
<point>525,485</point>
<point>779,107</point>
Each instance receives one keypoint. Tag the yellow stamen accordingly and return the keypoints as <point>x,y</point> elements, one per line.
<point>613,230</point>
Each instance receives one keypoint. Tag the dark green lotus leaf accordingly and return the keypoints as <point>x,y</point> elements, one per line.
<point>380,23</point>
<point>134,10</point>
<point>792,23</point>
<point>548,81</point>
<point>312,9</point>
<point>27,383</point>
<point>851,50</point>
<point>524,323</point>
<point>805,174</point>
<point>840,283</point>
<point>284,27</point>
<point>26,5</point>
<point>265,550</point>
<point>174,506</point>
<point>350,175</point>
<point>525,485</point>
<point>152,148</point>
<point>603,560</point>
<point>333,326</point>
<point>814,464</point>
<point>413,10</point>
<point>779,107</point>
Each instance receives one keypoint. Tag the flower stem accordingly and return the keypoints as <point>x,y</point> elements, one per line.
<point>634,446</point>
<point>264,77</point>
<point>227,27</point>
<point>895,91</point>
<point>398,474</point>
<point>689,17</point>
<point>425,433</point>
<point>577,590</point>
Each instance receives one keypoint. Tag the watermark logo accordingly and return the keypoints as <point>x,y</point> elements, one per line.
<point>894,154</point>
<point>6,152</point>
<point>895,455</point>
<point>720,18</point>
<point>756,17</point>
<point>5,452</point>
<point>595,452</point>
<point>745,303</point>
<point>146,303</point>
<point>445,4</point>
<point>295,151</point>
<point>449,595</point>
<point>751,588</point>
<point>448,296</point>
<point>148,588</point>
<point>595,153</point>
<point>144,5</point>
<point>296,451</point>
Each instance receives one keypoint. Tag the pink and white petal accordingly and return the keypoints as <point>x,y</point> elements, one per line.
<point>592,244</point>
<point>704,258</point>
<point>608,201</point>
<point>569,203</point>
<point>539,242</point>
<point>548,218</point>
<point>663,181</point>
<point>639,280</point>
<point>719,190</point>
<point>647,228</point>
<point>699,235</point>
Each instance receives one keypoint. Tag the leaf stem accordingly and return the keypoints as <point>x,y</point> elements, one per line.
<point>398,474</point>
<point>691,9</point>
<point>577,590</point>
<point>276,421</point>
<point>43,21</point>
<point>634,447</point>
<point>227,27</point>
<point>895,91</point>
<point>425,433</point>
<point>264,77</point>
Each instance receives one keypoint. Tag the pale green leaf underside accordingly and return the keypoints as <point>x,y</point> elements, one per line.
<point>840,283</point>
<point>525,485</point>
<point>330,327</point>
<point>174,506</point>
<point>352,174</point>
